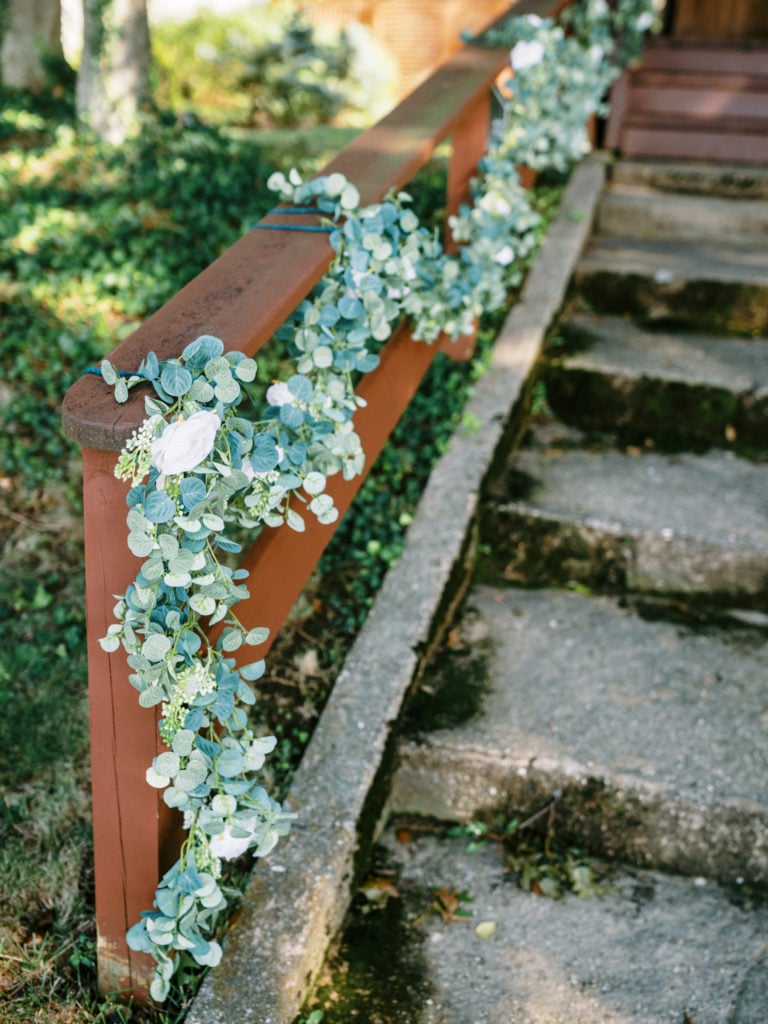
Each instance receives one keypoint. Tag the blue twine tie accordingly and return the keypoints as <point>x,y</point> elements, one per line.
<point>288,210</point>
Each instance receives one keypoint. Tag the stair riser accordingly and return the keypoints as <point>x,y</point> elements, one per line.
<point>674,414</point>
<point>732,182</point>
<point>630,822</point>
<point>684,220</point>
<point>709,305</point>
<point>531,549</point>
<point>718,143</point>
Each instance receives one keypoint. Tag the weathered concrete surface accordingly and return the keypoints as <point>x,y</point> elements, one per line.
<point>653,734</point>
<point>712,285</point>
<point>736,181</point>
<point>681,389</point>
<point>639,211</point>
<point>688,524</point>
<point>621,348</point>
<point>296,902</point>
<point>656,950</point>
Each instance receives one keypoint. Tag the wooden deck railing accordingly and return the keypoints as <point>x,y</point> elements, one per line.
<point>242,298</point>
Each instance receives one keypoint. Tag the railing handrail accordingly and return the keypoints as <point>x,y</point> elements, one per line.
<point>244,295</point>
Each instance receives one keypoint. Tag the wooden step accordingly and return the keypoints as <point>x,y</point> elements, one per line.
<point>677,139</point>
<point>663,54</point>
<point>699,96</point>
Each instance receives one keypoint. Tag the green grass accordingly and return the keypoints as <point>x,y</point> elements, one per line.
<point>92,240</point>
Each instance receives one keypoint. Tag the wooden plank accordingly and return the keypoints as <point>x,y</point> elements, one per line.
<point>677,143</point>
<point>713,100</point>
<point>674,55</point>
<point>135,834</point>
<point>285,558</point>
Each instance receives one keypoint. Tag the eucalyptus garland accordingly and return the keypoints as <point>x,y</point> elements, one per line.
<point>199,467</point>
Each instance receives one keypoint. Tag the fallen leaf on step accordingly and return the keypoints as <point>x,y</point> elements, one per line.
<point>378,891</point>
<point>486,929</point>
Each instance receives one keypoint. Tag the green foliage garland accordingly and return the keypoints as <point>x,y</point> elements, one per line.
<point>199,467</point>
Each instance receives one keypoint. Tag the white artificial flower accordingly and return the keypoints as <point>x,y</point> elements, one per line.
<point>257,751</point>
<point>280,394</point>
<point>526,54</point>
<point>225,846</point>
<point>505,256</point>
<point>184,444</point>
<point>596,54</point>
<point>644,21</point>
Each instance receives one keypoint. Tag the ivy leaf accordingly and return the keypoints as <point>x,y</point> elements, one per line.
<point>253,671</point>
<point>167,763</point>
<point>301,388</point>
<point>192,491</point>
<point>156,646</point>
<point>314,483</point>
<point>202,604</point>
<point>231,640</point>
<point>159,508</point>
<point>257,636</point>
<point>246,370</point>
<point>175,379</point>
<point>230,763</point>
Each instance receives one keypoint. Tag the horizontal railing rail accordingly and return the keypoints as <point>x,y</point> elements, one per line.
<point>242,298</point>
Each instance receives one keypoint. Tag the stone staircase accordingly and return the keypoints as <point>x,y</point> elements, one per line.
<point>643,498</point>
<point>611,658</point>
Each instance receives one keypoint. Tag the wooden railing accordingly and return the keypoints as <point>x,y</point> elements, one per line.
<point>242,298</point>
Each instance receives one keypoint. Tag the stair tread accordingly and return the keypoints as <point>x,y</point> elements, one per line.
<point>717,498</point>
<point>619,347</point>
<point>668,260</point>
<point>581,690</point>
<point>686,176</point>
<point>650,946</point>
<point>645,212</point>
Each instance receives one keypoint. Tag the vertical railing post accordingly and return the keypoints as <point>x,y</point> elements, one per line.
<point>130,822</point>
<point>469,142</point>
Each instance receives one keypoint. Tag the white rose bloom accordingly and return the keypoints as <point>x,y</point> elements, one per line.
<point>225,846</point>
<point>525,55</point>
<point>505,256</point>
<point>280,394</point>
<point>184,444</point>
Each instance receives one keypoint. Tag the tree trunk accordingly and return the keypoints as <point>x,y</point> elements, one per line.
<point>113,79</point>
<point>32,34</point>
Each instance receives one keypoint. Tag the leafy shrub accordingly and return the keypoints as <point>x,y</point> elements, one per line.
<point>267,67</point>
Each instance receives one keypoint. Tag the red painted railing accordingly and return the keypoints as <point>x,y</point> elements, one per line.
<point>242,298</point>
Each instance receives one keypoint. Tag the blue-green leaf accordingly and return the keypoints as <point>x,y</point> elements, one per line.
<point>158,507</point>
<point>176,380</point>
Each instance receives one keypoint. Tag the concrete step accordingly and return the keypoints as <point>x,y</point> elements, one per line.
<point>684,524</point>
<point>649,737</point>
<point>678,389</point>
<point>714,287</point>
<point>690,177</point>
<point>652,950</point>
<point>642,212</point>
